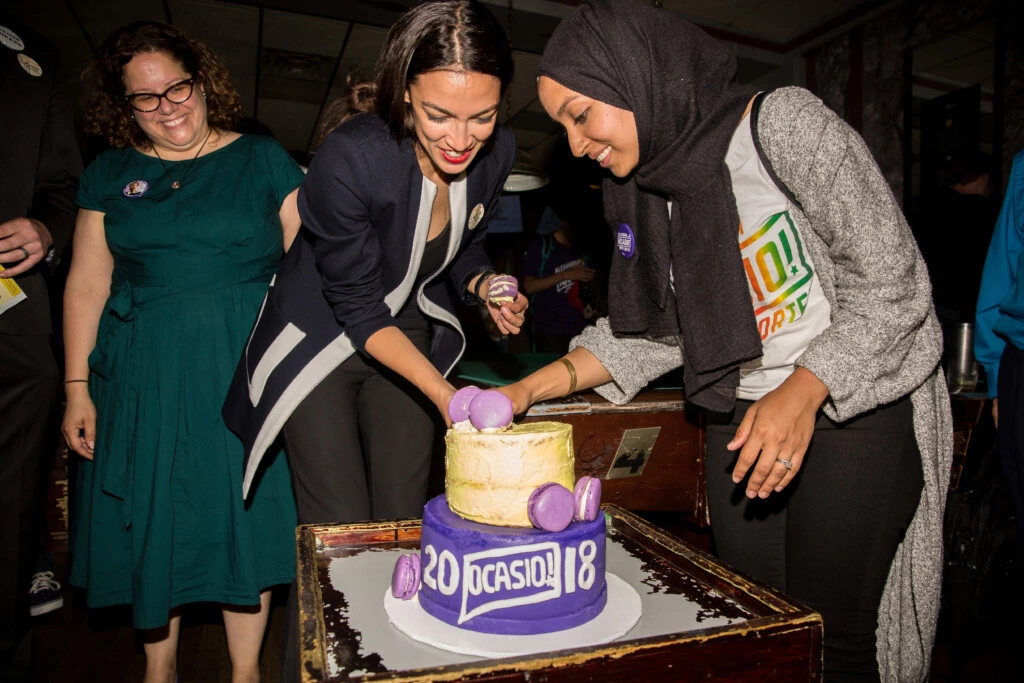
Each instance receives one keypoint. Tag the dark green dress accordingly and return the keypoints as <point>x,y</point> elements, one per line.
<point>159,519</point>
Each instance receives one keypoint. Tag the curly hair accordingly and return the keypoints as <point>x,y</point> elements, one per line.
<point>107,112</point>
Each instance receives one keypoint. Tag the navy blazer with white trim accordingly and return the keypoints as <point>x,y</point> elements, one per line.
<point>365,207</point>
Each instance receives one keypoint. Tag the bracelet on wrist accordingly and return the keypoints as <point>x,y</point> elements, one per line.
<point>72,381</point>
<point>484,276</point>
<point>572,375</point>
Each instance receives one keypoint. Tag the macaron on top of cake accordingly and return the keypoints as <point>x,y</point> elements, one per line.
<point>490,409</point>
<point>458,404</point>
<point>502,289</point>
<point>587,499</point>
<point>405,579</point>
<point>551,507</point>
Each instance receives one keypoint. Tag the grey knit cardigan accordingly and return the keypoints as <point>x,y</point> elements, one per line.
<point>883,343</point>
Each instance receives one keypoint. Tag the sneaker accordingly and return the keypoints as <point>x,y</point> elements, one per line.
<point>44,595</point>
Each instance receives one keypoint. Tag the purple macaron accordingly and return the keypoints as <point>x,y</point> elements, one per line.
<point>490,409</point>
<point>502,289</point>
<point>587,499</point>
<point>405,579</point>
<point>458,405</point>
<point>550,507</point>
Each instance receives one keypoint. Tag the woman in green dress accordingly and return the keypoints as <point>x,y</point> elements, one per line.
<point>180,229</point>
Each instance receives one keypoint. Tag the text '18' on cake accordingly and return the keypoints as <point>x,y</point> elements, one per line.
<point>516,546</point>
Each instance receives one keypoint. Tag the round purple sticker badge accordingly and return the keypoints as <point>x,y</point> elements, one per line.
<point>625,240</point>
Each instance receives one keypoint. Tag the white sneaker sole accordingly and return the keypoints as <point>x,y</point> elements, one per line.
<point>46,607</point>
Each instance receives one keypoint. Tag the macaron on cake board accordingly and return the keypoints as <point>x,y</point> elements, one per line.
<point>405,579</point>
<point>512,556</point>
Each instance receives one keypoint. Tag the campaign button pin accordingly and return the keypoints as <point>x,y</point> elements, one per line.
<point>625,240</point>
<point>135,188</point>
<point>10,39</point>
<point>30,65</point>
<point>476,216</point>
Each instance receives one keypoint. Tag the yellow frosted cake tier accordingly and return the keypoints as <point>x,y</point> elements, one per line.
<point>489,477</point>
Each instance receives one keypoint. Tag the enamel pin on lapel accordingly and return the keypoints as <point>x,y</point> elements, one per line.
<point>10,39</point>
<point>30,65</point>
<point>476,216</point>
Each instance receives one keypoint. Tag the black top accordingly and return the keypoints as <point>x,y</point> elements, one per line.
<point>411,317</point>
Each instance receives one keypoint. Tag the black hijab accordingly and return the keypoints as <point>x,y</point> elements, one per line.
<point>680,86</point>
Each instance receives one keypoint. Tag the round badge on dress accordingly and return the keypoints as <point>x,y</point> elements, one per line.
<point>9,38</point>
<point>30,65</point>
<point>135,188</point>
<point>476,215</point>
<point>625,240</point>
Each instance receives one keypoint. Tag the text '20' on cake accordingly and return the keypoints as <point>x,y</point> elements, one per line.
<point>516,546</point>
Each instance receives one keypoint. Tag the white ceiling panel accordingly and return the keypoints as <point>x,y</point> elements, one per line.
<point>782,21</point>
<point>292,32</point>
<point>103,18</point>
<point>724,12</point>
<point>231,31</point>
<point>291,122</point>
<point>946,51</point>
<point>523,89</point>
<point>362,51</point>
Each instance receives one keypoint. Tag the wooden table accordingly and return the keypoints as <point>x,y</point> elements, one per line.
<point>701,621</point>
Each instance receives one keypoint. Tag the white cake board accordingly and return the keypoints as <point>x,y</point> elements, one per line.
<point>619,615</point>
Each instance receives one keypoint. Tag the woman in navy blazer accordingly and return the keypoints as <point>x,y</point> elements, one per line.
<point>358,329</point>
<point>349,354</point>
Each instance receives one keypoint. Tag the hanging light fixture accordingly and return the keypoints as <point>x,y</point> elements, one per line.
<point>525,175</point>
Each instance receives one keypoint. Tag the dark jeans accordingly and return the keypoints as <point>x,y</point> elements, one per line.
<point>1010,434</point>
<point>359,447</point>
<point>28,386</point>
<point>829,538</point>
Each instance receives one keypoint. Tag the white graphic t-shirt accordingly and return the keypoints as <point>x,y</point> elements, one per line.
<point>790,307</point>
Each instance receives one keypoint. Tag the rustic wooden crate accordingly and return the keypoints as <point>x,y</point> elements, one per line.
<point>775,638</point>
<point>673,478</point>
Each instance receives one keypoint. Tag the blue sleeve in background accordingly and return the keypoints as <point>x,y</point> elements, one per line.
<point>1000,311</point>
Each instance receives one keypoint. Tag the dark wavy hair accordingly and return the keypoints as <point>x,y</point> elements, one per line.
<point>107,112</point>
<point>437,34</point>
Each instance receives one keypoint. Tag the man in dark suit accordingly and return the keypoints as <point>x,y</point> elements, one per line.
<point>38,180</point>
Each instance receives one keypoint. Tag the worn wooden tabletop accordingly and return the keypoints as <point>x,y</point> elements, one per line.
<point>700,621</point>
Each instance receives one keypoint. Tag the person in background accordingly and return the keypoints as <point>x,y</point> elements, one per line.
<point>554,275</point>
<point>758,246</point>
<point>181,227</point>
<point>999,337</point>
<point>954,228</point>
<point>41,165</point>
<point>349,356</point>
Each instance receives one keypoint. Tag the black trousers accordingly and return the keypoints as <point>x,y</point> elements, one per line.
<point>1010,435</point>
<point>359,447</point>
<point>829,538</point>
<point>28,386</point>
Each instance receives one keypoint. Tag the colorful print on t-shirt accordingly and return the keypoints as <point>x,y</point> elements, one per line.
<point>778,272</point>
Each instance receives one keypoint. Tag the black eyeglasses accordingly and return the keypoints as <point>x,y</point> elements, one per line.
<point>176,94</point>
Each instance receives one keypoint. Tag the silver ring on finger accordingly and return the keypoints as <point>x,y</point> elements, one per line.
<point>788,464</point>
<point>24,251</point>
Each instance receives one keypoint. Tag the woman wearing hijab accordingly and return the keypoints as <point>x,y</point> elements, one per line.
<point>830,435</point>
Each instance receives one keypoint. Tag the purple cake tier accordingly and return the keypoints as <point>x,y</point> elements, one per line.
<point>510,580</point>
